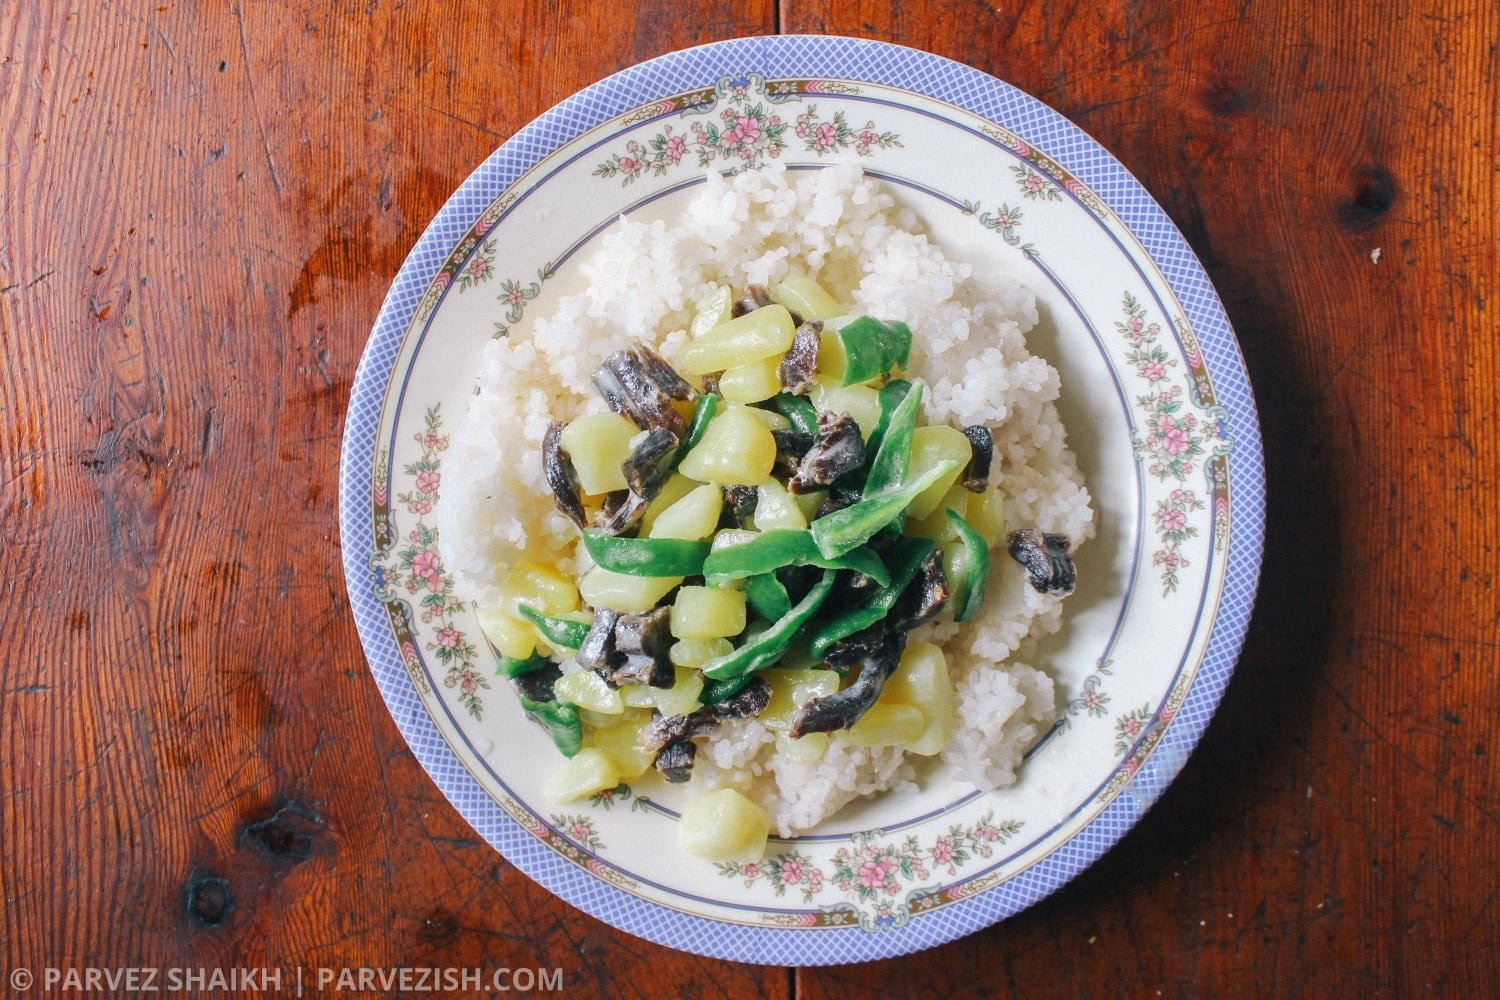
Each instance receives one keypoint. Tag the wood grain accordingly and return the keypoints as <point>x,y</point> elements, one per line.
<point>1335,833</point>
<point>201,207</point>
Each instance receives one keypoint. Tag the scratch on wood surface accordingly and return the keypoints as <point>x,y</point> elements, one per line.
<point>260,119</point>
<point>1405,754</point>
<point>164,39</point>
<point>29,285</point>
<point>464,121</point>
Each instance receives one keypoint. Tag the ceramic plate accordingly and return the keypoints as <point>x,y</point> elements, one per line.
<point>1155,400</point>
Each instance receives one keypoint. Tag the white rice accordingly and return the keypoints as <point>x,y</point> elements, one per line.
<point>845,231</point>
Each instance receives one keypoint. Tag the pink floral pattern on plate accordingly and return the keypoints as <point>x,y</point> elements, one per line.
<point>1175,439</point>
<point>746,132</point>
<point>870,873</point>
<point>411,570</point>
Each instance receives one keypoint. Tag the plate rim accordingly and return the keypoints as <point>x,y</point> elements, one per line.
<point>598,104</point>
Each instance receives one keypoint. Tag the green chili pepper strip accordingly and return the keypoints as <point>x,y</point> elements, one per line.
<point>764,648</point>
<point>772,550</point>
<point>892,459</point>
<point>905,561</point>
<point>967,567</point>
<point>717,691</point>
<point>800,411</point>
<point>561,722</point>
<point>843,530</point>
<point>645,556</point>
<point>512,668</point>
<point>767,596</point>
<point>872,346</point>
<point>891,395</point>
<point>558,631</point>
<point>703,412</point>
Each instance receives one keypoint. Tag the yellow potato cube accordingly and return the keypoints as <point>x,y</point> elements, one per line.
<point>806,298</point>
<point>673,490</point>
<point>543,587</point>
<point>713,311</point>
<point>921,681</point>
<point>790,690</point>
<point>753,336</point>
<point>602,588</point>
<point>773,420</point>
<point>694,516</point>
<point>859,401</point>
<point>986,515</point>
<point>808,504</point>
<point>597,444</point>
<point>930,447</point>
<point>753,382</point>
<point>580,776</point>
<point>776,508</point>
<point>724,826</point>
<point>512,636</point>
<point>832,359</point>
<point>885,725</point>
<point>708,613</point>
<point>682,698</point>
<point>618,744</point>
<point>736,449</point>
<point>805,749</point>
<point>936,525</point>
<point>696,652</point>
<point>596,720</point>
<point>587,689</point>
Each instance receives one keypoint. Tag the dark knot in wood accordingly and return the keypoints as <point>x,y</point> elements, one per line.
<point>1374,194</point>
<point>209,901</point>
<point>287,834</point>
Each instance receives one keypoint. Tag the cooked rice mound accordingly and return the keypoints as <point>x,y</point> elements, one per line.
<point>846,232</point>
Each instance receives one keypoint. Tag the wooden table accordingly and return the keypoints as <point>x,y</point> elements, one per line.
<point>201,207</point>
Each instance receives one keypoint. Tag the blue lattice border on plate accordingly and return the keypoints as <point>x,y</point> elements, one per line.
<point>824,58</point>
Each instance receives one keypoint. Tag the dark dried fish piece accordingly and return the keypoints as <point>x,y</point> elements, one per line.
<point>649,634</point>
<point>661,372</point>
<point>924,598</point>
<point>650,465</point>
<point>748,702</point>
<point>562,478</point>
<point>645,670</point>
<point>537,685</point>
<point>623,509</point>
<point>837,449</point>
<point>645,642</point>
<point>1045,556</point>
<point>739,503</point>
<point>675,761</point>
<point>844,708</point>
<point>755,297</point>
<point>665,729</point>
<point>982,448</point>
<point>847,652</point>
<point>598,651</point>
<point>640,385</point>
<point>799,366</point>
<point>836,500</point>
<point>790,447</point>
